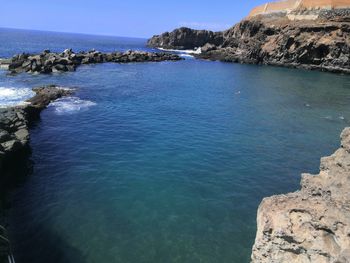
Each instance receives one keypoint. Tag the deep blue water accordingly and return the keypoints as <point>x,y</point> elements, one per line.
<point>164,162</point>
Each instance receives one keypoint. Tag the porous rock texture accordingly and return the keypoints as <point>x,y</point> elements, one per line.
<point>313,224</point>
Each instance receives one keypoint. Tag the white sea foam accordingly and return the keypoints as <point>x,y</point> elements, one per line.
<point>186,56</point>
<point>10,96</point>
<point>196,51</point>
<point>71,105</point>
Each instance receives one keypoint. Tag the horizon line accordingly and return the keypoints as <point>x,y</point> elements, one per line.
<point>74,33</point>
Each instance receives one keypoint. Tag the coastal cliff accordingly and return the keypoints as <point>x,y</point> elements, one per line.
<point>186,38</point>
<point>312,39</point>
<point>313,224</point>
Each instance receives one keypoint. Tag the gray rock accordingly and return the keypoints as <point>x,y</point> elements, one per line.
<point>4,136</point>
<point>47,62</point>
<point>22,135</point>
<point>11,146</point>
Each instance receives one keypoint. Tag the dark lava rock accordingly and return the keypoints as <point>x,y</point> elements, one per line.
<point>14,121</point>
<point>48,62</point>
<point>14,143</point>
<point>185,38</point>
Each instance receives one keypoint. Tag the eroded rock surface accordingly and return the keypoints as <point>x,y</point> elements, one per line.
<point>49,62</point>
<point>313,224</point>
<point>322,43</point>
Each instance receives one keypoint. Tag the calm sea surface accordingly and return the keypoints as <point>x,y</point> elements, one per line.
<point>162,162</point>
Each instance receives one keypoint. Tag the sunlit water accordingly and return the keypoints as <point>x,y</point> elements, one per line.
<point>164,162</point>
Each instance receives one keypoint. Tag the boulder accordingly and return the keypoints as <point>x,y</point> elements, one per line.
<point>313,224</point>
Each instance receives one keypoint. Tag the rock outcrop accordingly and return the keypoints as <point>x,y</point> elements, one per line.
<point>14,121</point>
<point>275,39</point>
<point>49,62</point>
<point>185,38</point>
<point>313,224</point>
<point>14,141</point>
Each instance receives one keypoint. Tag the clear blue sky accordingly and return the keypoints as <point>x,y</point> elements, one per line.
<point>134,18</point>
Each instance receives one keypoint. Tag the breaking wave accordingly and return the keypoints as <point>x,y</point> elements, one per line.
<point>71,105</point>
<point>14,96</point>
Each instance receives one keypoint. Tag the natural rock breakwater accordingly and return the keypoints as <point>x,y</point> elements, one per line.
<point>50,62</point>
<point>14,140</point>
<point>313,224</point>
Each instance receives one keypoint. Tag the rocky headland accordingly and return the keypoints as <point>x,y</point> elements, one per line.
<point>313,224</point>
<point>51,62</point>
<point>301,38</point>
<point>186,38</point>
<point>14,141</point>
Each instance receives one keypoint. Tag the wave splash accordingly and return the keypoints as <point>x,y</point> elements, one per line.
<point>71,105</point>
<point>10,96</point>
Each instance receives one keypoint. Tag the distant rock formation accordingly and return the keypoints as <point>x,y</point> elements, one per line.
<point>48,62</point>
<point>313,224</point>
<point>185,38</point>
<point>275,39</point>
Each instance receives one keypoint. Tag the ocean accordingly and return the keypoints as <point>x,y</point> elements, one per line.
<point>162,162</point>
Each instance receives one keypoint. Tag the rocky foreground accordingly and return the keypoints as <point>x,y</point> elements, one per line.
<point>14,121</point>
<point>50,62</point>
<point>14,140</point>
<point>313,224</point>
<point>322,43</point>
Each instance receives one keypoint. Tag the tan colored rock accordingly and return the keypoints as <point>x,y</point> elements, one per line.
<point>313,224</point>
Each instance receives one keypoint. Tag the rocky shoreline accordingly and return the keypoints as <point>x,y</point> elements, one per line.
<point>319,44</point>
<point>50,62</point>
<point>14,141</point>
<point>313,224</point>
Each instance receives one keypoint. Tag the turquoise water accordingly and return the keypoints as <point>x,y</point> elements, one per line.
<point>164,162</point>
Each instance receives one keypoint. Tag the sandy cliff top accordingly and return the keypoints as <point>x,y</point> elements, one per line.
<point>291,5</point>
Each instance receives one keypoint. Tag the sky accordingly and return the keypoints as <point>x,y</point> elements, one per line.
<point>130,18</point>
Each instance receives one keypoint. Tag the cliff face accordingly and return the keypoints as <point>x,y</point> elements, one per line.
<point>322,42</point>
<point>186,38</point>
<point>313,224</point>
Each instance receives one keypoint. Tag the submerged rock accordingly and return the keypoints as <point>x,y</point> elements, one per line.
<point>48,62</point>
<point>313,224</point>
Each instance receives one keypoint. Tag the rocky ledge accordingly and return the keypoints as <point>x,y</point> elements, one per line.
<point>50,62</point>
<point>14,141</point>
<point>313,224</point>
<point>14,121</point>
<point>275,39</point>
